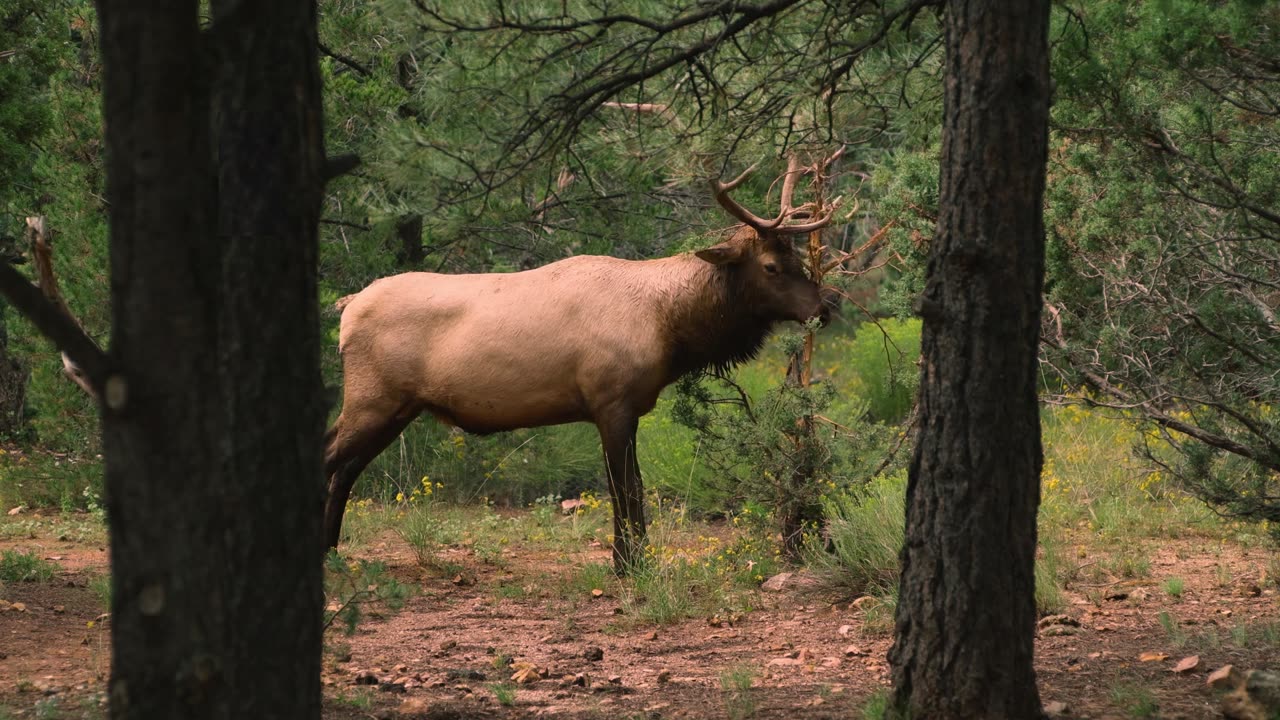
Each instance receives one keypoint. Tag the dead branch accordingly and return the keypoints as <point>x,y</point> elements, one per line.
<point>42,253</point>
<point>55,323</point>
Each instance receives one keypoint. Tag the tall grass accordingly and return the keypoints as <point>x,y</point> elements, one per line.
<point>865,529</point>
<point>1093,478</point>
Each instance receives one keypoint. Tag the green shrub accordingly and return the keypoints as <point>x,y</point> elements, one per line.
<point>511,469</point>
<point>39,479</point>
<point>355,587</point>
<point>865,530</point>
<point>25,567</point>
<point>877,364</point>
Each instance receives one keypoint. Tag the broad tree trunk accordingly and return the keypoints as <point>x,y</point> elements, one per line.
<point>966,611</point>
<point>212,416</point>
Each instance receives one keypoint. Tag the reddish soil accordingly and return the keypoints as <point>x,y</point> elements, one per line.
<point>440,656</point>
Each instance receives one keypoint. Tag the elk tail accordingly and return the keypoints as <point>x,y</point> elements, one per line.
<point>343,302</point>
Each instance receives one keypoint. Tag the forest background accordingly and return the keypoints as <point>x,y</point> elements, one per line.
<point>491,140</point>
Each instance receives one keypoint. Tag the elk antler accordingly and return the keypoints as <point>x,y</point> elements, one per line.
<point>776,225</point>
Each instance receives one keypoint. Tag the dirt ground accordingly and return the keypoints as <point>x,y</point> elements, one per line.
<point>804,656</point>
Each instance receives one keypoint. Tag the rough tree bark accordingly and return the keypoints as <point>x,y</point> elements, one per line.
<point>13,384</point>
<point>212,410</point>
<point>410,253</point>
<point>966,610</point>
<point>13,372</point>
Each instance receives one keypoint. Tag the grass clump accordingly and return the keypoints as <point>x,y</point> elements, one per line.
<point>865,529</point>
<point>1134,700</point>
<point>100,586</point>
<point>592,576</point>
<point>25,567</point>
<point>666,592</point>
<point>504,693</point>
<point>685,574</point>
<point>1172,629</point>
<point>1174,587</point>
<point>877,706</point>
<point>736,683</point>
<point>1051,570</point>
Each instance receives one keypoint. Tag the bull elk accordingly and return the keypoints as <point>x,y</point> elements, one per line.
<point>585,339</point>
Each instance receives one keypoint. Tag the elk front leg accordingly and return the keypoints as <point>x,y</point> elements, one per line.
<point>618,437</point>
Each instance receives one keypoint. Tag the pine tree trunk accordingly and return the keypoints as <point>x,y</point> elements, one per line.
<point>212,416</point>
<point>13,384</point>
<point>966,612</point>
<point>410,253</point>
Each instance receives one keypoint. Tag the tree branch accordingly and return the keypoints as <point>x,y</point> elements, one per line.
<point>1102,385</point>
<point>339,165</point>
<point>324,49</point>
<point>56,325</point>
<point>48,284</point>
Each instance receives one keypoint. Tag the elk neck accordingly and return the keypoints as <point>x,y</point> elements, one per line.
<point>709,317</point>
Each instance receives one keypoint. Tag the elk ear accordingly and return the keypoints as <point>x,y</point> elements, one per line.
<point>725,253</point>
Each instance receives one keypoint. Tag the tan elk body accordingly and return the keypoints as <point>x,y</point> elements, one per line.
<point>588,338</point>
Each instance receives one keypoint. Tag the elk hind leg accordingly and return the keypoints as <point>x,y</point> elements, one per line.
<point>356,438</point>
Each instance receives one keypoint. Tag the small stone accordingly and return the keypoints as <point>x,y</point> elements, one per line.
<point>777,583</point>
<point>1055,708</point>
<point>366,678</point>
<point>846,629</point>
<point>854,651</point>
<point>413,706</point>
<point>593,654</point>
<point>615,679</point>
<point>1187,664</point>
<point>574,680</point>
<point>392,687</point>
<point>664,676</point>
<point>526,675</point>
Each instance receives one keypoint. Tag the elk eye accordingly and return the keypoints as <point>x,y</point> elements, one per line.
<point>771,268</point>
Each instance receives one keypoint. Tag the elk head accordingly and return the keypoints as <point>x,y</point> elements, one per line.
<point>762,256</point>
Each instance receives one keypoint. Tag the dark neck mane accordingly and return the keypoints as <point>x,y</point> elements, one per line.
<point>709,319</point>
